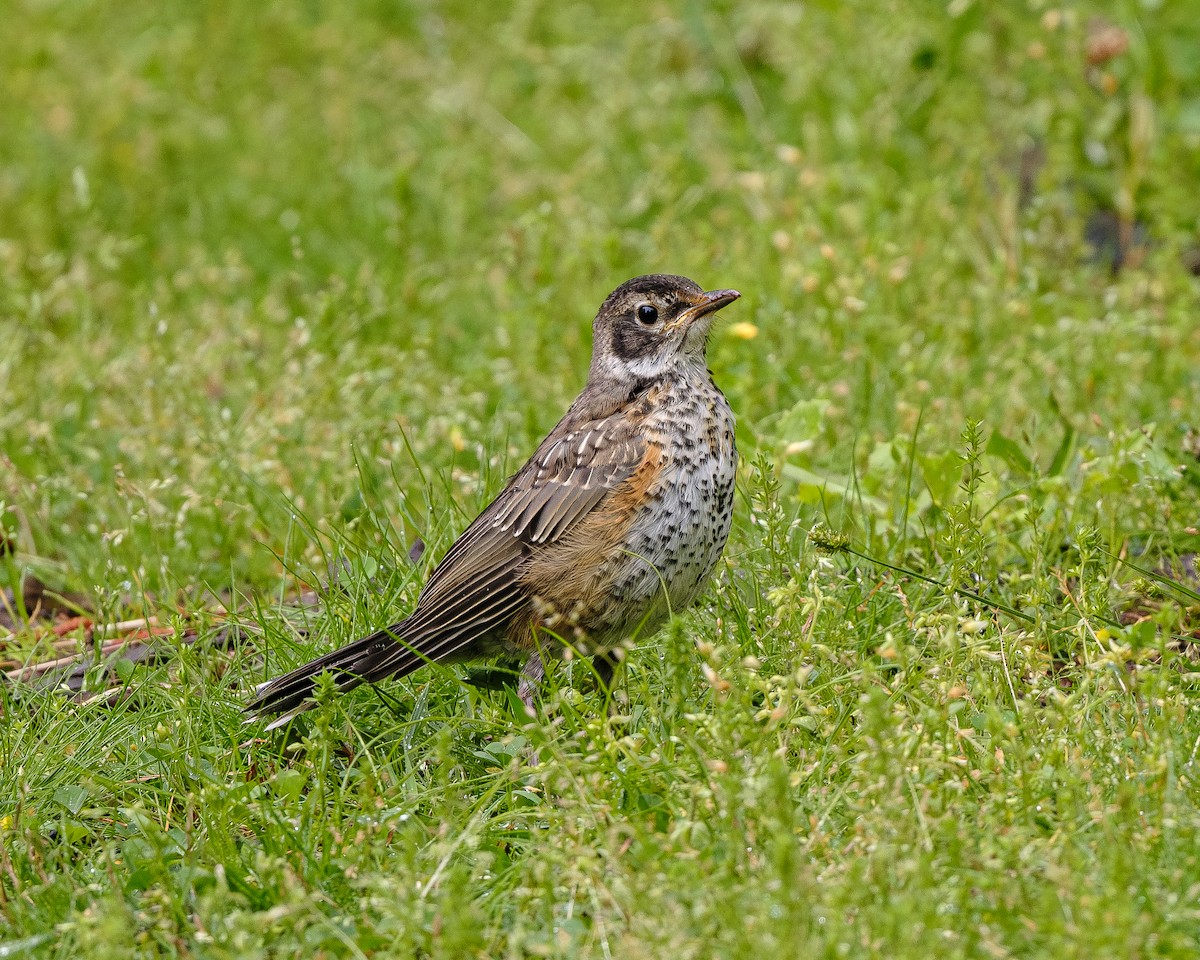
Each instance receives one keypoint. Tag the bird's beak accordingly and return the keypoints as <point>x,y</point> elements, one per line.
<point>710,302</point>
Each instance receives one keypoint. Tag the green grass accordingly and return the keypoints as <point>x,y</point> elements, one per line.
<point>287,286</point>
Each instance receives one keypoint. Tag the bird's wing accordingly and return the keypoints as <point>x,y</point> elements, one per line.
<point>567,477</point>
<point>476,589</point>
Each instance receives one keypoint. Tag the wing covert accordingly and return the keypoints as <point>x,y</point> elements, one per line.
<point>567,478</point>
<point>479,578</point>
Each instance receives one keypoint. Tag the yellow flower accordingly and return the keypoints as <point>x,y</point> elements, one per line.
<point>743,331</point>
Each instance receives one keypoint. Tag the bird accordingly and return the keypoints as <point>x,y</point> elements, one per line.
<point>615,523</point>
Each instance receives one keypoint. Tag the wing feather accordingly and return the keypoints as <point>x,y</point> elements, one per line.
<point>477,586</point>
<point>477,589</point>
<point>568,478</point>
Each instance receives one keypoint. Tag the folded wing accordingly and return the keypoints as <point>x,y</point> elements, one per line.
<point>474,593</point>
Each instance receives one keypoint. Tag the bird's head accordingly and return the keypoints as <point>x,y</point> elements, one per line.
<point>652,325</point>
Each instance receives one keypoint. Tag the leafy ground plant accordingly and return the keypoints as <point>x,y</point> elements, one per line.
<point>287,290</point>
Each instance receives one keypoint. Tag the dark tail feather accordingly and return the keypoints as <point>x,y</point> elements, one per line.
<point>382,654</point>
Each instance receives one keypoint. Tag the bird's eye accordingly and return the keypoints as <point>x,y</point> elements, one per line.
<point>647,314</point>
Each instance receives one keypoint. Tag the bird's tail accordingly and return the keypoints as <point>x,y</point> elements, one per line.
<point>382,654</point>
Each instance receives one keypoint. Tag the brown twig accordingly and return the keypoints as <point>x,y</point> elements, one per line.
<point>26,673</point>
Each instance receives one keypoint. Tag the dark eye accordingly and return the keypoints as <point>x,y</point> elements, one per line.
<point>647,314</point>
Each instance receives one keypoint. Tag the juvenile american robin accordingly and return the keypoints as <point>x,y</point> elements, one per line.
<point>615,522</point>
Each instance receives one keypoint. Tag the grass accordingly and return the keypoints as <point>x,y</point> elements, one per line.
<point>284,287</point>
